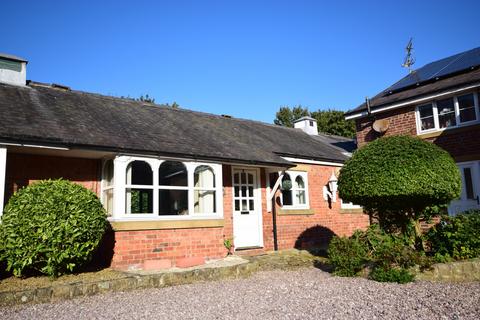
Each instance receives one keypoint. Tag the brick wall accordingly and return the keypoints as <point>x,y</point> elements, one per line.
<point>303,231</point>
<point>23,169</point>
<point>126,249</point>
<point>462,143</point>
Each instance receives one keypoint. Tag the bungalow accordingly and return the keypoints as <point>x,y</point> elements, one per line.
<point>439,102</point>
<point>175,183</point>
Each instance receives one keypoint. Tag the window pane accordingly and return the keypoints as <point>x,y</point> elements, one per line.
<point>173,202</point>
<point>244,205</point>
<point>108,173</point>
<point>426,117</point>
<point>446,113</point>
<point>204,177</point>
<point>252,207</point>
<point>467,174</point>
<point>250,191</point>
<point>301,197</point>
<point>286,190</point>
<point>250,178</point>
<point>237,205</point>
<point>426,111</point>
<point>236,178</point>
<point>243,180</point>
<point>108,201</point>
<point>139,173</point>
<point>237,191</point>
<point>172,173</point>
<point>299,183</point>
<point>244,191</point>
<point>139,200</point>
<point>466,105</point>
<point>204,201</point>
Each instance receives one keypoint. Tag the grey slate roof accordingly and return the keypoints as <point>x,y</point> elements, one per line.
<point>451,81</point>
<point>37,114</point>
<point>343,144</point>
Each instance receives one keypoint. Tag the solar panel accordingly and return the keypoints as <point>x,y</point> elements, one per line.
<point>439,69</point>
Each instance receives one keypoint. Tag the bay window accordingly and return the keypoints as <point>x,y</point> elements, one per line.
<point>152,188</point>
<point>448,113</point>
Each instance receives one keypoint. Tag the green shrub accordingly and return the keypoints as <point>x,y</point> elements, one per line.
<point>347,256</point>
<point>456,237</point>
<point>388,274</point>
<point>396,178</point>
<point>52,227</point>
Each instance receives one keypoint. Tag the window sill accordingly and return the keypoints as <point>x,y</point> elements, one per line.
<point>288,212</point>
<point>143,224</point>
<point>450,130</point>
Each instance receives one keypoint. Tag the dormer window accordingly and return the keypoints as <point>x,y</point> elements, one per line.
<point>448,113</point>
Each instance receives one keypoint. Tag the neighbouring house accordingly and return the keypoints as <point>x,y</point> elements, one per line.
<point>175,183</point>
<point>438,102</point>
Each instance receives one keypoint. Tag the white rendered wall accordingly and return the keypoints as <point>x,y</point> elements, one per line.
<point>14,77</point>
<point>306,127</point>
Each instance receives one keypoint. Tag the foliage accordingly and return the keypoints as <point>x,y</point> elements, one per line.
<point>386,254</point>
<point>333,122</point>
<point>397,178</point>
<point>347,255</point>
<point>456,237</point>
<point>228,244</point>
<point>174,105</point>
<point>146,98</point>
<point>328,121</point>
<point>385,274</point>
<point>52,226</point>
<point>286,116</point>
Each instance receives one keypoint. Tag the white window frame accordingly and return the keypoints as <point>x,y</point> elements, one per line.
<point>436,127</point>
<point>104,188</point>
<point>293,176</point>
<point>121,163</point>
<point>349,205</point>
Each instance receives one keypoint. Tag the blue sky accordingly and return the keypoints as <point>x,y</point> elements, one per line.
<point>243,58</point>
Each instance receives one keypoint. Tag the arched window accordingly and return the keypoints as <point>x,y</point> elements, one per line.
<point>173,188</point>
<point>139,187</point>
<point>204,190</point>
<point>107,186</point>
<point>295,190</point>
<point>300,190</point>
<point>287,190</point>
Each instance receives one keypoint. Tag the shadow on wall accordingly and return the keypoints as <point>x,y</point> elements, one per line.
<point>102,258</point>
<point>315,240</point>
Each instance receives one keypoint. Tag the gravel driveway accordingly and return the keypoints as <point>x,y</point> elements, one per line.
<point>301,294</point>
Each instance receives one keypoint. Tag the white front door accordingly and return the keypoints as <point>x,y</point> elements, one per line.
<point>469,198</point>
<point>247,212</point>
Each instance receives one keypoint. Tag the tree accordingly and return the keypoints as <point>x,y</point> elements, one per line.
<point>146,98</point>
<point>286,116</point>
<point>328,121</point>
<point>397,179</point>
<point>333,122</point>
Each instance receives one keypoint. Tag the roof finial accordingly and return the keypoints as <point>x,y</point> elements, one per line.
<point>409,58</point>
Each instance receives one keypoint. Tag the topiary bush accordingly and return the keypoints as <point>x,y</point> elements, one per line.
<point>52,226</point>
<point>456,237</point>
<point>347,256</point>
<point>396,178</point>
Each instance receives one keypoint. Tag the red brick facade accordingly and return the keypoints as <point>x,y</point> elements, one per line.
<point>462,143</point>
<point>183,246</point>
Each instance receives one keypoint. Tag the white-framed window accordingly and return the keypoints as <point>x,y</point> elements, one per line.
<point>107,186</point>
<point>295,190</point>
<point>349,205</point>
<point>154,188</point>
<point>448,113</point>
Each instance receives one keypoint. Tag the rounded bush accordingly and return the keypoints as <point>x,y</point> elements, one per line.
<point>346,255</point>
<point>399,173</point>
<point>51,226</point>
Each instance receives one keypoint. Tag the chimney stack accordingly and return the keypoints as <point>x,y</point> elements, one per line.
<point>13,70</point>
<point>307,124</point>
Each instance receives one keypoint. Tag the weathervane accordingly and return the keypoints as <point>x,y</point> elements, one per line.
<point>409,59</point>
